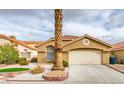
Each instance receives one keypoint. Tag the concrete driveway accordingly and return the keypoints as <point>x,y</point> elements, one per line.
<point>85,74</point>
<point>94,74</point>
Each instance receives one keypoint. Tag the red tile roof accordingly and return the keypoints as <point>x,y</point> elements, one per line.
<point>118,46</point>
<point>32,42</point>
<point>67,37</point>
<point>16,41</point>
<point>4,37</point>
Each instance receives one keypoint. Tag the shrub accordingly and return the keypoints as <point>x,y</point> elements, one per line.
<point>8,55</point>
<point>20,59</point>
<point>122,61</point>
<point>23,62</point>
<point>34,59</point>
<point>65,64</point>
<point>50,61</point>
<point>38,69</point>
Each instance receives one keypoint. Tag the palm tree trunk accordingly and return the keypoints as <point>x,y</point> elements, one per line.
<point>58,65</point>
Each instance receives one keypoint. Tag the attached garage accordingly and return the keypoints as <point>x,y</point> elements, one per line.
<point>87,50</point>
<point>85,56</point>
<point>79,50</point>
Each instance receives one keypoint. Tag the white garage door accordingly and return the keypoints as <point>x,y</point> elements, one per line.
<point>85,56</point>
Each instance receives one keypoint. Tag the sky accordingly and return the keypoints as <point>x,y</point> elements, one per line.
<point>38,24</point>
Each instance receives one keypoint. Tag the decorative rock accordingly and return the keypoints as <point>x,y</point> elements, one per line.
<point>56,75</point>
<point>10,75</point>
<point>37,69</point>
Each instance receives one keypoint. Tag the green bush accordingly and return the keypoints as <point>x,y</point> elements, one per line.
<point>34,59</point>
<point>8,55</point>
<point>21,59</point>
<point>23,62</point>
<point>122,61</point>
<point>65,64</point>
<point>50,61</point>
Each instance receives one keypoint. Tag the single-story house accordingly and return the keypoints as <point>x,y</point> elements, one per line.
<point>76,50</point>
<point>24,50</point>
<point>118,51</point>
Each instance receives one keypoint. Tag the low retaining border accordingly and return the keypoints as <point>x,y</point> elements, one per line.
<point>115,68</point>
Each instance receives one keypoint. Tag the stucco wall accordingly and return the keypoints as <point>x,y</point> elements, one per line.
<point>106,57</point>
<point>65,56</point>
<point>119,55</point>
<point>42,51</point>
<point>33,53</point>
<point>43,47</point>
<point>4,42</point>
<point>41,57</point>
<point>77,45</point>
<point>92,44</point>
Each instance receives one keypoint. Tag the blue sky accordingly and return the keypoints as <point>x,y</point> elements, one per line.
<point>107,25</point>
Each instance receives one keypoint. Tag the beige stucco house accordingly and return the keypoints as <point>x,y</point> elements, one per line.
<point>118,51</point>
<point>25,50</point>
<point>76,50</point>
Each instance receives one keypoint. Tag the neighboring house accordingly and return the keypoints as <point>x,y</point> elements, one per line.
<point>29,51</point>
<point>24,50</point>
<point>4,40</point>
<point>76,50</point>
<point>118,50</point>
<point>32,43</point>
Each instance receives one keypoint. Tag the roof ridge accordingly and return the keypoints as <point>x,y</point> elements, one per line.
<point>52,38</point>
<point>119,43</point>
<point>98,40</point>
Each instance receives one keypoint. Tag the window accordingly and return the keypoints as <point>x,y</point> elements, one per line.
<point>50,53</point>
<point>25,54</point>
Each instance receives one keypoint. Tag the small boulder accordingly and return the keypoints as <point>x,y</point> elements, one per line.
<point>37,69</point>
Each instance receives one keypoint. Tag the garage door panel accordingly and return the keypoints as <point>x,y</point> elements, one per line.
<point>85,57</point>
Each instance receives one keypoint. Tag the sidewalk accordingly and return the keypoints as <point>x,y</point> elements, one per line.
<point>118,67</point>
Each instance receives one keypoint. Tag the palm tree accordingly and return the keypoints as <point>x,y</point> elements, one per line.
<point>58,65</point>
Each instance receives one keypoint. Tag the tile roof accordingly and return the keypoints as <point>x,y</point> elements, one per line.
<point>32,42</point>
<point>118,46</point>
<point>67,37</point>
<point>16,41</point>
